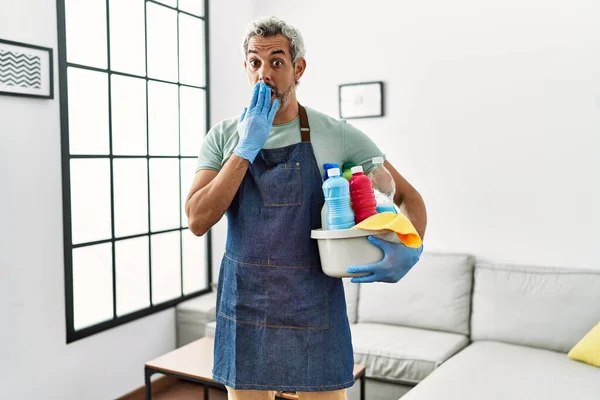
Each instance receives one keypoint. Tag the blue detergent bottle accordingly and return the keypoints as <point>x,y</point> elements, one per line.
<point>339,214</point>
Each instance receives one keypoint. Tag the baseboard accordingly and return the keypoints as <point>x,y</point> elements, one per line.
<point>158,385</point>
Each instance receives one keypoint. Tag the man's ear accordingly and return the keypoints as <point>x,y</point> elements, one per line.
<point>299,69</point>
<point>245,65</point>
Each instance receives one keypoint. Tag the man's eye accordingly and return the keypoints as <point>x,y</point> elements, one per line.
<point>254,63</point>
<point>277,63</point>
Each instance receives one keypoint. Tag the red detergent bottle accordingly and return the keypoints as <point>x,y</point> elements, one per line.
<point>362,195</point>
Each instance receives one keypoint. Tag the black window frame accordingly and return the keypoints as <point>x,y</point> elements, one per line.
<point>72,334</point>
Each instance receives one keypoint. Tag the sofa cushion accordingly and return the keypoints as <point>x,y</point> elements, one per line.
<point>588,348</point>
<point>499,371</point>
<point>435,294</point>
<point>547,308</point>
<point>402,354</point>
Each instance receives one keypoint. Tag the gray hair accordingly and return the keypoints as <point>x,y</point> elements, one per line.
<point>266,27</point>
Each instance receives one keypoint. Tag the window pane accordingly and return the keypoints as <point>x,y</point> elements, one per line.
<point>194,262</point>
<point>193,119</point>
<point>133,282</point>
<point>131,196</point>
<point>163,119</point>
<point>188,170</point>
<point>172,3</point>
<point>88,111</point>
<point>191,50</point>
<point>164,194</point>
<point>192,6</point>
<point>127,42</point>
<point>161,24</point>
<point>90,200</point>
<point>166,267</point>
<point>92,285</point>
<point>128,115</point>
<point>86,32</point>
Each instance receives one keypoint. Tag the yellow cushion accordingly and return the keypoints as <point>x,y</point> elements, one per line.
<point>588,348</point>
<point>398,223</point>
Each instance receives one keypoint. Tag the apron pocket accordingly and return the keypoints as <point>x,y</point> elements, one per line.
<point>297,298</point>
<point>282,185</point>
<point>244,293</point>
<point>272,296</point>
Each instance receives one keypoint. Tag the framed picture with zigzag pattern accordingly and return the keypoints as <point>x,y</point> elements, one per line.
<point>26,70</point>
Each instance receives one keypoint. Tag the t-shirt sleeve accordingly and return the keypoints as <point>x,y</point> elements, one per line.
<point>211,151</point>
<point>358,147</point>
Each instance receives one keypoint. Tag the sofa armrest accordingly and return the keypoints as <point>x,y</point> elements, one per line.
<point>191,317</point>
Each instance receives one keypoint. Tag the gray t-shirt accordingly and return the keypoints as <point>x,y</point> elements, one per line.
<point>333,141</point>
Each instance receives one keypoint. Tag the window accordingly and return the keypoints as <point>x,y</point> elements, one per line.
<point>134,109</point>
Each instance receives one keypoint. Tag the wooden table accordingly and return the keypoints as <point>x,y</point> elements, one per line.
<point>194,362</point>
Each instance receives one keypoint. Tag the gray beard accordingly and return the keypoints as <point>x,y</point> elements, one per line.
<point>283,97</point>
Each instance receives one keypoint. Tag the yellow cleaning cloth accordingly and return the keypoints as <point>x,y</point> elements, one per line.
<point>394,222</point>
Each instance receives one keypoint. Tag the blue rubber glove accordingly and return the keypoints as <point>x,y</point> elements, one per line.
<point>256,123</point>
<point>397,260</point>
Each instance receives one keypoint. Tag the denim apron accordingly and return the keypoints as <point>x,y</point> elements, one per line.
<point>281,322</point>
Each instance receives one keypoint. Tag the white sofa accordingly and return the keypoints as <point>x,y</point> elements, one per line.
<point>454,329</point>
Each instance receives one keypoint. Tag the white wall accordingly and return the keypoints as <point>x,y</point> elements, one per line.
<point>492,112</point>
<point>230,90</point>
<point>35,362</point>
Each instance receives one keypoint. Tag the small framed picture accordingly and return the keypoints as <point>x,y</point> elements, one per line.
<point>361,100</point>
<point>26,70</point>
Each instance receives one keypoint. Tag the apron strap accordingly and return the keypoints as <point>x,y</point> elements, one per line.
<point>304,128</point>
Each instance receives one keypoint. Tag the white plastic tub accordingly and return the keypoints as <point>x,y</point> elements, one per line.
<point>342,249</point>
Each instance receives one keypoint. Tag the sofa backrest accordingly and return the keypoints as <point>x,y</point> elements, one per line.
<point>351,292</point>
<point>435,294</point>
<point>547,308</point>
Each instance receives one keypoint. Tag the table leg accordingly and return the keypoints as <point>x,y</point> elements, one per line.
<point>147,374</point>
<point>362,387</point>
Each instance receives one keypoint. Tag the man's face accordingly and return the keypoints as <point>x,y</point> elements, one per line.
<point>269,60</point>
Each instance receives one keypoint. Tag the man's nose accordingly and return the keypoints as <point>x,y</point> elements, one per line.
<point>264,74</point>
